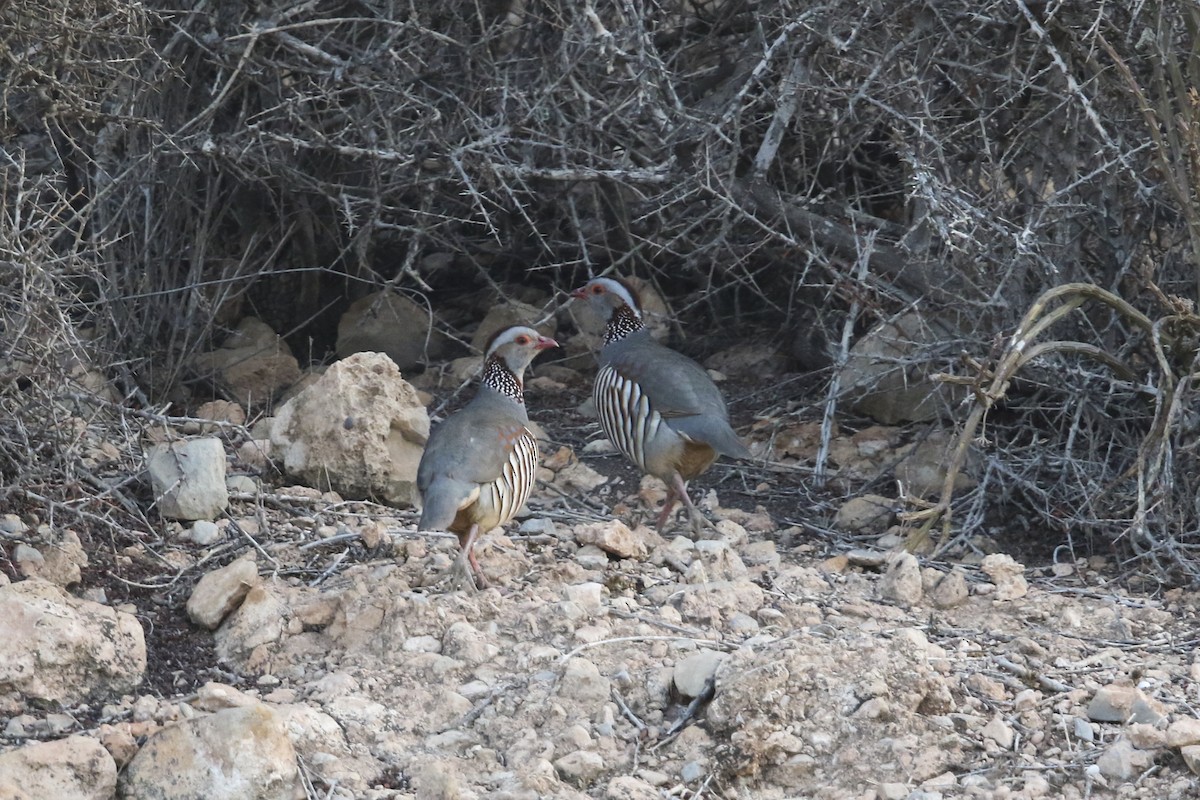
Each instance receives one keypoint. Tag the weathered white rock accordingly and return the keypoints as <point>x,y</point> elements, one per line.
<point>1121,703</point>
<point>359,429</point>
<point>999,732</point>
<point>579,477</point>
<point>217,411</point>
<point>189,478</point>
<point>627,787</point>
<point>923,464</point>
<point>235,753</point>
<point>58,562</point>
<point>1007,574</point>
<point>254,363</point>
<point>246,636</point>
<point>390,323</point>
<point>221,591</point>
<point>29,559</point>
<point>255,453</point>
<point>74,768</point>
<point>59,648</point>
<point>588,595</point>
<point>693,673</point>
<point>1121,760</point>
<point>1191,757</point>
<point>583,683</point>
<point>901,583</point>
<point>1184,732</point>
<point>321,743</point>
<point>945,589</point>
<point>883,388</point>
<point>468,644</point>
<point>612,536</point>
<point>869,513</point>
<point>580,767</point>
<point>203,532</point>
<point>716,560</point>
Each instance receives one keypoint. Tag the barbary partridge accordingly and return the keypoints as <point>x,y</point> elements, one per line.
<point>658,407</point>
<point>479,466</point>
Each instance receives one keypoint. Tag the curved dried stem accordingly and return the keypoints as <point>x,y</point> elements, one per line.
<point>1021,350</point>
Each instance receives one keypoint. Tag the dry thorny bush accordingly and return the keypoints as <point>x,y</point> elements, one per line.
<point>773,166</point>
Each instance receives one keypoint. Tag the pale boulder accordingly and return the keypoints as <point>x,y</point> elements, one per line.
<point>59,648</point>
<point>390,323</point>
<point>219,592</point>
<point>254,363</point>
<point>359,430</point>
<point>883,387</point>
<point>235,753</point>
<point>74,768</point>
<point>189,478</point>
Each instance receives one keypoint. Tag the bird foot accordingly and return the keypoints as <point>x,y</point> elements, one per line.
<point>464,576</point>
<point>700,522</point>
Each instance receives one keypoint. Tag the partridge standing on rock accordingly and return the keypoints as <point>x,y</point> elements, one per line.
<point>658,407</point>
<point>480,464</point>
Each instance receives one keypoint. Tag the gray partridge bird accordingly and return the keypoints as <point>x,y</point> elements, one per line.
<point>479,466</point>
<point>658,407</point>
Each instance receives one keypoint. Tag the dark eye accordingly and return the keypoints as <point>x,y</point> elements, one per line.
<point>522,340</point>
<point>597,289</point>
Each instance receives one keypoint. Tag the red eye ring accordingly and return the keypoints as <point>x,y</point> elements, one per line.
<point>522,340</point>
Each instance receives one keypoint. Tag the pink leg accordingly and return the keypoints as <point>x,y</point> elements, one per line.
<point>467,568</point>
<point>668,504</point>
<point>697,519</point>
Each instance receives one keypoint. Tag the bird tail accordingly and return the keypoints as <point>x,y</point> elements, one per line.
<point>728,443</point>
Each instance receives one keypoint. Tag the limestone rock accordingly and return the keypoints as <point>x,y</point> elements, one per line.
<point>359,429</point>
<point>235,753</point>
<point>246,636</point>
<point>189,478</point>
<point>390,323</point>
<point>217,411</point>
<point>902,582</point>
<point>58,648</point>
<point>945,589</point>
<point>1123,761</point>
<point>580,768</point>
<point>582,682</point>
<point>1184,732</point>
<point>221,591</point>
<point>1007,574</point>
<point>59,562</point>
<point>869,513</point>
<point>74,768</point>
<point>613,537</point>
<point>692,673</point>
<point>627,787</point>
<point>922,467</point>
<point>1121,703</point>
<point>1191,757</point>
<point>579,477</point>
<point>254,363</point>
<point>884,388</point>
<point>203,533</point>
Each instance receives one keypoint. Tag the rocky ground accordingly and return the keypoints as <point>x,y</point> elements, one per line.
<point>292,643</point>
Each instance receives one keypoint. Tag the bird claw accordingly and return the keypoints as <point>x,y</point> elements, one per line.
<point>465,576</point>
